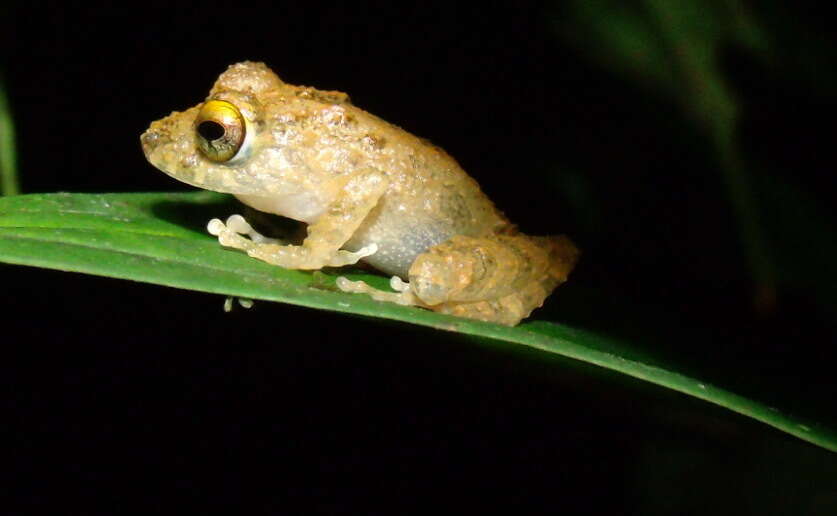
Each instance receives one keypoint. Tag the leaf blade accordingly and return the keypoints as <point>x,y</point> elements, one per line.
<point>138,237</point>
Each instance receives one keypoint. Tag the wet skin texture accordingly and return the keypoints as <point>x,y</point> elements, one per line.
<point>367,189</point>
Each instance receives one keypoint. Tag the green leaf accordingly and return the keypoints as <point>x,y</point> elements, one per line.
<point>160,238</point>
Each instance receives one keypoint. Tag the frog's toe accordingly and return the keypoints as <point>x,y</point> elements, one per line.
<point>365,251</point>
<point>404,297</point>
<point>343,257</point>
<point>227,236</point>
<point>399,285</point>
<point>215,227</point>
<point>239,225</point>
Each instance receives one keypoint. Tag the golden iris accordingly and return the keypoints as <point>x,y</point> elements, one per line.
<point>219,130</point>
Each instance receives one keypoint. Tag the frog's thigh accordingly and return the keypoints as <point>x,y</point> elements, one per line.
<point>508,310</point>
<point>468,269</point>
<point>499,278</point>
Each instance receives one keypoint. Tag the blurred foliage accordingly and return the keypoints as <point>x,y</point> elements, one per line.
<point>677,49</point>
<point>8,167</point>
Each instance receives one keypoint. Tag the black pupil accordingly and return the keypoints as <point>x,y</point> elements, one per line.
<point>210,130</point>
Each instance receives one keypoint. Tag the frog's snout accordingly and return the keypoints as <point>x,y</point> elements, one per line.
<point>150,140</point>
<point>156,145</point>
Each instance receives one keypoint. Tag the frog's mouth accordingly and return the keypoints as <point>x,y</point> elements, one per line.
<point>169,145</point>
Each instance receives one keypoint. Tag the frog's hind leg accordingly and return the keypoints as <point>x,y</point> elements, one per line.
<point>504,310</point>
<point>403,295</point>
<point>508,310</point>
<point>498,278</point>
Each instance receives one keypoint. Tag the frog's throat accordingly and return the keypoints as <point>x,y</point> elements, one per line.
<point>225,181</point>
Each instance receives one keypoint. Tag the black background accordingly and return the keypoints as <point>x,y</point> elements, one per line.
<point>128,395</point>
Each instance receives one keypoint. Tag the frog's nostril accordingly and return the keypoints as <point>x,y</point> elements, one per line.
<point>152,140</point>
<point>149,141</point>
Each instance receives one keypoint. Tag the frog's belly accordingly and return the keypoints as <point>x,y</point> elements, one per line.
<point>401,238</point>
<point>398,244</point>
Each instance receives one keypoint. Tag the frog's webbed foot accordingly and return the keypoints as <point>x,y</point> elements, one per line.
<point>237,225</point>
<point>403,295</point>
<point>506,311</point>
<point>233,233</point>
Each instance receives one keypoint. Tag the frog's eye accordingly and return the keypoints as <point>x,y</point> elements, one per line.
<point>220,130</point>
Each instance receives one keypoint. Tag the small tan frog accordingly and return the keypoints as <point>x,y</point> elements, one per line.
<point>367,189</point>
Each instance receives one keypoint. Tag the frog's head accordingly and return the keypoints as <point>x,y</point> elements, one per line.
<point>216,145</point>
<point>258,137</point>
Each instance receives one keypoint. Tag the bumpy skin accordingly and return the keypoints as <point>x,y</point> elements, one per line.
<point>368,190</point>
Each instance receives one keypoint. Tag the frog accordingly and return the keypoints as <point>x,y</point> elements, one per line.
<point>368,192</point>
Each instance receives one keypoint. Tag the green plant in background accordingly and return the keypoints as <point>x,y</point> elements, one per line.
<point>674,47</point>
<point>8,161</point>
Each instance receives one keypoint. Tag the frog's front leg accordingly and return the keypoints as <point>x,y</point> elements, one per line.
<point>325,236</point>
<point>496,278</point>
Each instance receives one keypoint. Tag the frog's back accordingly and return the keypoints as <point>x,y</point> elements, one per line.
<point>430,199</point>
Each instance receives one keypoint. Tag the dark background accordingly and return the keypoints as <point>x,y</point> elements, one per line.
<point>132,395</point>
